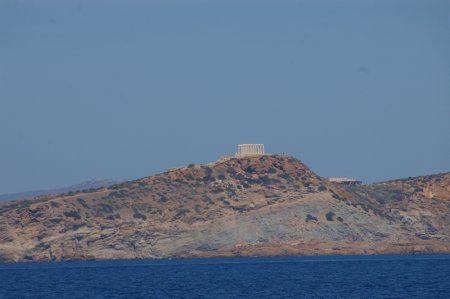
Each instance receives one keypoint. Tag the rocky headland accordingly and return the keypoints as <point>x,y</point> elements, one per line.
<point>259,205</point>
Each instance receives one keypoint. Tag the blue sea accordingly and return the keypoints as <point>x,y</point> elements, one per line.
<point>419,276</point>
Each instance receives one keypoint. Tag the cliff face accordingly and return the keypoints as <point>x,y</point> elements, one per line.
<point>261,205</point>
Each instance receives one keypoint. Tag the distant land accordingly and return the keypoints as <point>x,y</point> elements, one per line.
<point>91,184</point>
<point>262,205</point>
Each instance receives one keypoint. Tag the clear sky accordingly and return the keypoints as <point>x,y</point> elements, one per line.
<point>125,89</point>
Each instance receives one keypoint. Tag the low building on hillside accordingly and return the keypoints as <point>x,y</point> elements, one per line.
<point>345,181</point>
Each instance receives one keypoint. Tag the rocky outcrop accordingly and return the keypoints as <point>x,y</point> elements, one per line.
<point>261,205</point>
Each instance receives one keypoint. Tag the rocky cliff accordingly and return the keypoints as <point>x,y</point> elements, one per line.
<point>261,205</point>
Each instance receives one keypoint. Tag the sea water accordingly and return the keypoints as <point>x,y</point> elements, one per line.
<point>419,276</point>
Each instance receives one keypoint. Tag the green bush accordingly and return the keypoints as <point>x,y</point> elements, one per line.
<point>329,216</point>
<point>322,188</point>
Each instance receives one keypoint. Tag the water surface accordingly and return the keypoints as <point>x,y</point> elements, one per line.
<point>425,276</point>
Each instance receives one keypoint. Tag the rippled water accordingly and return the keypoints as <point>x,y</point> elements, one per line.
<point>284,277</point>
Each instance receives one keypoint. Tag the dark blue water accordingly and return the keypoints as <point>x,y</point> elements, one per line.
<point>284,277</point>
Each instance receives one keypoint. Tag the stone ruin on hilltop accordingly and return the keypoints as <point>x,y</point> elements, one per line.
<point>245,150</point>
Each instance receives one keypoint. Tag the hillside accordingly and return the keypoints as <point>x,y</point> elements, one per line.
<point>260,205</point>
<point>91,184</point>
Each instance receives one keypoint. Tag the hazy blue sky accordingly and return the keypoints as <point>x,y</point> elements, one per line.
<point>125,89</point>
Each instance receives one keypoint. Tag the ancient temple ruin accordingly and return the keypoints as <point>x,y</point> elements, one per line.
<point>245,150</point>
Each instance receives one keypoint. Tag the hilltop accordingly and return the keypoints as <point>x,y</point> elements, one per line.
<point>259,205</point>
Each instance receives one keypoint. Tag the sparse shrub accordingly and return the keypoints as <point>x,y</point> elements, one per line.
<point>82,202</point>
<point>329,216</point>
<point>231,170</point>
<point>139,216</point>
<point>103,207</point>
<point>266,181</point>
<point>42,246</point>
<point>72,214</point>
<point>284,176</point>
<point>119,194</point>
<point>208,176</point>
<point>272,170</point>
<point>181,212</point>
<point>239,176</point>
<point>54,204</point>
<point>310,218</point>
<point>162,197</point>
<point>340,219</point>
<point>250,170</point>
<point>191,165</point>
<point>336,196</point>
<point>223,199</point>
<point>217,190</point>
<point>221,177</point>
<point>231,191</point>
<point>77,226</point>
<point>322,188</point>
<point>388,195</point>
<point>125,185</point>
<point>209,171</point>
<point>208,200</point>
<point>55,220</point>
